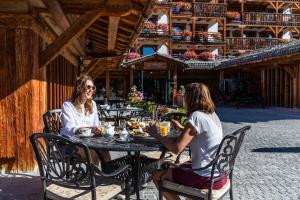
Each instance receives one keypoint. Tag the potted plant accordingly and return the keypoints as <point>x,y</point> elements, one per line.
<point>187,35</point>
<point>177,6</point>
<point>190,54</point>
<point>163,28</point>
<point>232,15</point>
<point>202,36</point>
<point>149,26</point>
<point>133,55</point>
<point>135,96</point>
<point>217,36</point>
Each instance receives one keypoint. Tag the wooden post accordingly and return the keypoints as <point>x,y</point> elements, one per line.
<point>107,84</point>
<point>286,89</point>
<point>221,77</point>
<point>276,86</point>
<point>174,84</point>
<point>294,89</point>
<point>142,80</point>
<point>263,85</point>
<point>131,74</point>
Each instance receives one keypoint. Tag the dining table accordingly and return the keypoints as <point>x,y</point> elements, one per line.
<point>134,147</point>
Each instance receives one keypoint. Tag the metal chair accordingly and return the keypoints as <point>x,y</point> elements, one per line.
<point>223,164</point>
<point>52,121</point>
<point>67,172</point>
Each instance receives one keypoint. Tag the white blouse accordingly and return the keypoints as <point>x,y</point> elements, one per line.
<point>72,119</point>
<point>206,142</point>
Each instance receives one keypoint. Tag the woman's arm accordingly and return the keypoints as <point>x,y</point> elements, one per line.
<point>178,145</point>
<point>69,128</point>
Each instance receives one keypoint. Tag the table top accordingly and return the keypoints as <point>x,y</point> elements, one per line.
<point>111,144</point>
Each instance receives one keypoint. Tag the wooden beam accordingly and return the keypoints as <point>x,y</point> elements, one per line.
<point>68,36</point>
<point>107,84</point>
<point>49,37</point>
<point>61,20</point>
<point>90,67</point>
<point>112,32</point>
<point>291,71</point>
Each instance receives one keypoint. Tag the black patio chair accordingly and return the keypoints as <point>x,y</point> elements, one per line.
<point>223,164</point>
<point>52,121</point>
<point>67,172</point>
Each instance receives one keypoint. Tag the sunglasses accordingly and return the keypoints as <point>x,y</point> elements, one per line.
<point>91,87</point>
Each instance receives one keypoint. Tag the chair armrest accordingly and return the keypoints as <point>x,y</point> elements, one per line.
<point>112,174</point>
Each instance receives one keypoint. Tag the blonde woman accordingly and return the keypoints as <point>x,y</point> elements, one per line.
<point>81,112</point>
<point>203,132</point>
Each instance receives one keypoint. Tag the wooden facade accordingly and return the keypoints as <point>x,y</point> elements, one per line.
<point>40,41</point>
<point>281,86</point>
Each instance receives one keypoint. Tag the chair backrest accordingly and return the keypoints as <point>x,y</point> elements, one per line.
<point>227,153</point>
<point>52,121</point>
<point>61,163</point>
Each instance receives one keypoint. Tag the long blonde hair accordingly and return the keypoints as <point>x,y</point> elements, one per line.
<point>197,98</point>
<point>79,91</point>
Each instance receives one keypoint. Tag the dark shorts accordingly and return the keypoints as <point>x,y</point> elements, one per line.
<point>191,179</point>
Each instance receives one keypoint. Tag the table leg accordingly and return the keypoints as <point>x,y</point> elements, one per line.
<point>138,174</point>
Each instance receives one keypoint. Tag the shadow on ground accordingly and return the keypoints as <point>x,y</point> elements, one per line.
<point>277,150</point>
<point>20,186</point>
<point>254,115</point>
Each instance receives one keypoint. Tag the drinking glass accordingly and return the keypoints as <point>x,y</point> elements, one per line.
<point>164,128</point>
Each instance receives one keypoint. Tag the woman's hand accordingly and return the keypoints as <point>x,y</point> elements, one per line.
<point>176,124</point>
<point>96,131</point>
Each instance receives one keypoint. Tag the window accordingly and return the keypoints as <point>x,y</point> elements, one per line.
<point>147,50</point>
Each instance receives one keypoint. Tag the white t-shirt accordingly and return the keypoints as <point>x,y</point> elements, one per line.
<point>206,141</point>
<point>72,119</point>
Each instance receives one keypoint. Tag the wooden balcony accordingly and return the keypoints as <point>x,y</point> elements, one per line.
<point>210,9</point>
<point>154,33</point>
<point>163,2</point>
<point>254,18</point>
<point>252,43</point>
<point>207,38</point>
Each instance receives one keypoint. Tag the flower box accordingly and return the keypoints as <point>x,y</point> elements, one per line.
<point>133,55</point>
<point>190,54</point>
<point>233,15</point>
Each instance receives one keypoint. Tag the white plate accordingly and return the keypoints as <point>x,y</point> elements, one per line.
<point>86,136</point>
<point>124,141</point>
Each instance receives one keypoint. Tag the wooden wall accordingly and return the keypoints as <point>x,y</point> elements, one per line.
<point>26,93</point>
<point>61,76</point>
<point>281,86</point>
<point>22,97</point>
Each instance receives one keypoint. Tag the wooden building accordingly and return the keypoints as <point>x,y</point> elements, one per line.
<point>277,70</point>
<point>41,43</point>
<point>210,30</point>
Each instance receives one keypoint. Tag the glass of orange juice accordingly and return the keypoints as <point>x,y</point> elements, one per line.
<point>101,127</point>
<point>164,128</point>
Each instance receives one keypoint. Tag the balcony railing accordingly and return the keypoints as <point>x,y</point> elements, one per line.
<point>208,37</point>
<point>154,33</point>
<point>210,9</point>
<point>200,37</point>
<point>163,2</point>
<point>252,43</point>
<point>271,19</point>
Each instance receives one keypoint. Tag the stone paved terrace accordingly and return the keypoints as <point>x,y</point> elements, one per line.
<point>267,166</point>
